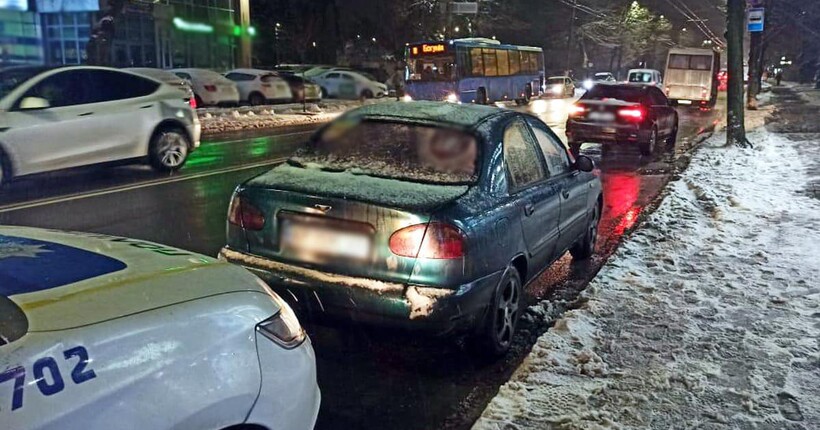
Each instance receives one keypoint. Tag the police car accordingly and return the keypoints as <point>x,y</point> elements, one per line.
<point>103,332</point>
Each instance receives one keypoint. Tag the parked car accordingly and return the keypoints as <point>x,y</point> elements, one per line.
<point>210,88</point>
<point>303,89</point>
<point>597,78</point>
<point>57,118</point>
<point>258,87</point>
<point>314,71</point>
<point>617,114</point>
<point>421,215</point>
<point>169,78</point>
<point>349,85</point>
<point>645,76</point>
<point>104,332</point>
<point>559,86</point>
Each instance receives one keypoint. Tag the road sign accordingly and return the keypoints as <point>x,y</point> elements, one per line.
<point>756,18</point>
<point>464,8</point>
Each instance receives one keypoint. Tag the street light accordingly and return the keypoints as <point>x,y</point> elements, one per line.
<point>456,29</point>
<point>374,40</point>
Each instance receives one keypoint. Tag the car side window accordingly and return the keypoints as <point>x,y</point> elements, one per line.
<point>69,88</point>
<point>554,152</point>
<point>347,77</point>
<point>332,76</point>
<point>658,98</point>
<point>183,75</point>
<point>523,163</point>
<point>110,85</point>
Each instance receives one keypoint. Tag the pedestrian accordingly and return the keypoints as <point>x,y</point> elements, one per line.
<point>778,76</point>
<point>397,80</point>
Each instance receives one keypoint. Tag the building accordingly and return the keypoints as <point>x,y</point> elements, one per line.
<point>150,33</point>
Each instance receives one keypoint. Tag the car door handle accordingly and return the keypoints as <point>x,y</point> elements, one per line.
<point>529,209</point>
<point>86,114</point>
<point>565,193</point>
<point>146,106</point>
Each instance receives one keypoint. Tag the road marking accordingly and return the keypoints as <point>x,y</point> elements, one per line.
<point>146,184</point>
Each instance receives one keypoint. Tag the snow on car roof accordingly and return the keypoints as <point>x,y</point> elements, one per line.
<point>465,115</point>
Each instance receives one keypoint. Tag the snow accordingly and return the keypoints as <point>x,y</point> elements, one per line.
<point>348,185</point>
<point>466,115</point>
<point>707,317</point>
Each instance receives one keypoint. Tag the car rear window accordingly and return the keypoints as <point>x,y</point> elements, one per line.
<point>617,92</point>
<point>13,322</point>
<point>555,80</point>
<point>640,77</point>
<point>404,151</point>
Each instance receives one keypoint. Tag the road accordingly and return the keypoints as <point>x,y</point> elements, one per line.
<point>369,378</point>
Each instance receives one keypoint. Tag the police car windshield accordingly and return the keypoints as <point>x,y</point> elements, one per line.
<point>13,322</point>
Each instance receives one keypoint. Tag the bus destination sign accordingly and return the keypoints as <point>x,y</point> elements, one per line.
<point>427,49</point>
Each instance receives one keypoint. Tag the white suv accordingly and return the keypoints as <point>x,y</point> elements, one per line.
<point>258,87</point>
<point>58,118</point>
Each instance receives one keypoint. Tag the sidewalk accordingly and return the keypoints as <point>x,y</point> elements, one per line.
<point>708,316</point>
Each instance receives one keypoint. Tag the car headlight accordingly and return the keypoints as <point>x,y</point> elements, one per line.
<point>451,98</point>
<point>588,84</point>
<point>557,88</point>
<point>283,327</point>
<point>407,98</point>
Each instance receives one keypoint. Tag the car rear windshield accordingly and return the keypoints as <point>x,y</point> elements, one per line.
<point>640,77</point>
<point>555,80</point>
<point>404,151</point>
<point>13,322</point>
<point>617,92</point>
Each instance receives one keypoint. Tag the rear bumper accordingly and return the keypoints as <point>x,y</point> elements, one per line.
<point>578,131</point>
<point>439,311</point>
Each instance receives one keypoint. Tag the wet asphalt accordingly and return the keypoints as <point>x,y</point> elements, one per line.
<point>370,378</point>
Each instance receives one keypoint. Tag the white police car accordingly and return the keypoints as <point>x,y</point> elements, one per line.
<point>103,332</point>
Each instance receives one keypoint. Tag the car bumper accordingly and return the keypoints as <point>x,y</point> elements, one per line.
<point>439,311</point>
<point>578,131</point>
<point>289,396</point>
<point>195,129</point>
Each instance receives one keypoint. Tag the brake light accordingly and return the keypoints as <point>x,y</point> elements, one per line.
<point>210,88</point>
<point>245,215</point>
<point>192,102</point>
<point>576,110</point>
<point>635,114</point>
<point>435,240</point>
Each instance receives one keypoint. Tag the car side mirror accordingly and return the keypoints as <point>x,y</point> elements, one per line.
<point>584,163</point>
<point>32,103</point>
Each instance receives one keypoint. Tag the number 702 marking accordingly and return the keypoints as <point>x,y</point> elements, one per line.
<point>81,373</point>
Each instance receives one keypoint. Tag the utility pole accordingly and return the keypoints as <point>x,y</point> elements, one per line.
<point>755,57</point>
<point>243,19</point>
<point>735,23</point>
<point>571,34</point>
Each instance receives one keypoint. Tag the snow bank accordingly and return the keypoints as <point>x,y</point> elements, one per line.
<point>708,316</point>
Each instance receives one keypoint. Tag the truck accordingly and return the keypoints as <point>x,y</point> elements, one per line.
<point>691,76</point>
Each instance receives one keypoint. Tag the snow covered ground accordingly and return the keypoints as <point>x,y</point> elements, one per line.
<point>708,316</point>
<point>224,120</point>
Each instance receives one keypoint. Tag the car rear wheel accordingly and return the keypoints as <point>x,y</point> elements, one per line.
<point>256,99</point>
<point>648,147</point>
<point>673,136</point>
<point>499,328</point>
<point>481,96</point>
<point>585,247</point>
<point>367,94</point>
<point>169,149</point>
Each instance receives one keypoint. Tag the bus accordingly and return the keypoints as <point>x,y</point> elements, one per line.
<point>474,70</point>
<point>691,76</point>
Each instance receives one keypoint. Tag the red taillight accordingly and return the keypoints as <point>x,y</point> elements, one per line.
<point>210,88</point>
<point>576,110</point>
<point>192,102</point>
<point>245,215</point>
<point>635,114</point>
<point>435,241</point>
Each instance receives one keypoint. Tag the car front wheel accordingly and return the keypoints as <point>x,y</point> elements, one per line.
<point>496,336</point>
<point>169,149</point>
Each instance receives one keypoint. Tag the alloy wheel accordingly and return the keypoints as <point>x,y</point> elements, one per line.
<point>506,313</point>
<point>172,149</point>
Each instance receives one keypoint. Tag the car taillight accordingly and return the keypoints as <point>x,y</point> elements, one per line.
<point>283,328</point>
<point>635,114</point>
<point>192,102</point>
<point>576,110</point>
<point>245,215</point>
<point>210,88</point>
<point>434,240</point>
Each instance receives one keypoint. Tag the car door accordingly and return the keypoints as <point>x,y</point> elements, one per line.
<point>330,82</point>
<point>59,136</point>
<point>572,189</point>
<point>536,199</point>
<point>664,113</point>
<point>349,86</point>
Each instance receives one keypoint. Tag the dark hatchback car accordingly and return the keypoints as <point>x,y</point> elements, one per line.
<point>622,114</point>
<point>420,215</point>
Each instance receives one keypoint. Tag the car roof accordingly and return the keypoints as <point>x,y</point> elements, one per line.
<point>62,280</point>
<point>463,115</point>
<point>252,71</point>
<point>643,71</point>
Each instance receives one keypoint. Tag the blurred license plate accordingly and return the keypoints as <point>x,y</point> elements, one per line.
<point>602,116</point>
<point>318,240</point>
<point>685,102</point>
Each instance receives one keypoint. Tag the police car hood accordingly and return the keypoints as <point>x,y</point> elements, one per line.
<point>63,280</point>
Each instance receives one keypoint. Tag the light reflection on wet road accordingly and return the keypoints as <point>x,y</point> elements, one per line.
<point>369,378</point>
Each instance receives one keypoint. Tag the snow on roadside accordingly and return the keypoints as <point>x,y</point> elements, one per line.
<point>708,316</point>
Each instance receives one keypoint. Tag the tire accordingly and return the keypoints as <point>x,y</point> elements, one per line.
<point>367,94</point>
<point>256,99</point>
<point>324,93</point>
<point>673,136</point>
<point>648,147</point>
<point>481,96</point>
<point>5,170</point>
<point>169,149</point>
<point>499,328</point>
<point>584,248</point>
<point>528,93</point>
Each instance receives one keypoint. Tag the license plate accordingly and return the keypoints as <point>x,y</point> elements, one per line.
<point>685,102</point>
<point>602,116</point>
<point>609,130</point>
<point>314,240</point>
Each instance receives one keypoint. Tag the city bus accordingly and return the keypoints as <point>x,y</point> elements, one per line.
<point>474,70</point>
<point>691,76</point>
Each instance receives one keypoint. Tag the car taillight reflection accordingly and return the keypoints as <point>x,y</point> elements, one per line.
<point>434,241</point>
<point>245,215</point>
<point>192,102</point>
<point>634,114</point>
